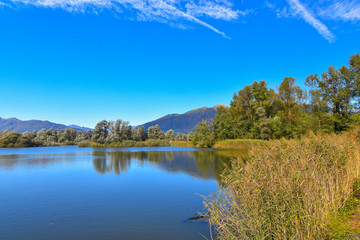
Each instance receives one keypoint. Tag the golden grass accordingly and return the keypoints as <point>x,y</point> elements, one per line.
<point>127,143</point>
<point>238,143</point>
<point>181,144</point>
<point>287,189</point>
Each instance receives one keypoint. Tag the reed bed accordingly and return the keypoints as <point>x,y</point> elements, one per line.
<point>238,143</point>
<point>182,144</point>
<point>128,143</point>
<point>287,189</point>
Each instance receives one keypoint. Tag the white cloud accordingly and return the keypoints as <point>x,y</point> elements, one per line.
<point>344,10</point>
<point>214,10</point>
<point>165,11</point>
<point>181,13</point>
<point>299,10</point>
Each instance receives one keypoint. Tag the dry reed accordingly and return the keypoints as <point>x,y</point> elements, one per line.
<point>287,189</point>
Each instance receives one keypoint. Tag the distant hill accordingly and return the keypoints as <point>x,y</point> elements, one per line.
<point>186,122</point>
<point>180,123</point>
<point>14,124</point>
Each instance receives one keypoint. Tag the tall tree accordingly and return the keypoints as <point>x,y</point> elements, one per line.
<point>155,132</point>
<point>333,92</point>
<point>289,107</point>
<point>204,135</point>
<point>170,135</point>
<point>245,105</point>
<point>100,132</point>
<point>355,74</point>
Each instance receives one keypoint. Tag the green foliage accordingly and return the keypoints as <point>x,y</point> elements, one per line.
<point>256,112</point>
<point>204,135</point>
<point>15,139</point>
<point>181,137</point>
<point>259,112</point>
<point>190,136</point>
<point>139,134</point>
<point>340,223</point>
<point>106,134</point>
<point>333,92</point>
<point>170,135</point>
<point>67,136</point>
<point>100,132</point>
<point>155,132</point>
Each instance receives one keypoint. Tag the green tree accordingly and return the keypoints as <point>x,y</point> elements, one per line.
<point>67,136</point>
<point>333,92</point>
<point>190,136</point>
<point>181,137</point>
<point>100,132</point>
<point>141,134</point>
<point>226,126</point>
<point>355,75</point>
<point>204,135</point>
<point>170,135</point>
<point>155,132</point>
<point>14,139</point>
<point>289,106</point>
<point>244,107</point>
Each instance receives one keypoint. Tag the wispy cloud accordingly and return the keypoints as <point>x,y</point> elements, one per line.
<point>300,10</point>
<point>165,11</point>
<point>344,10</point>
<point>4,4</point>
<point>280,12</point>
<point>183,13</point>
<point>214,10</point>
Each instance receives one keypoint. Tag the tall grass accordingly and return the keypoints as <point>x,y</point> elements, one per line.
<point>182,144</point>
<point>238,143</point>
<point>287,189</point>
<point>128,143</point>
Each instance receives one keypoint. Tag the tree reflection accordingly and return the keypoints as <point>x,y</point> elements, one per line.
<point>13,161</point>
<point>204,164</point>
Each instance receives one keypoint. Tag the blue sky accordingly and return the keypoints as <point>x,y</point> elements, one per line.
<point>81,61</point>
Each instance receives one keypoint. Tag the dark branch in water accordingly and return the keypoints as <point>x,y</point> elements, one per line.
<point>200,217</point>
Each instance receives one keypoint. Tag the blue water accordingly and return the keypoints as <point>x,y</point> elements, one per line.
<point>88,193</point>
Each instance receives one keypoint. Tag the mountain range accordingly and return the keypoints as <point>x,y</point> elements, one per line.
<point>180,123</point>
<point>186,122</point>
<point>14,124</point>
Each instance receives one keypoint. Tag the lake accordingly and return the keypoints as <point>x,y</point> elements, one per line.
<point>90,193</point>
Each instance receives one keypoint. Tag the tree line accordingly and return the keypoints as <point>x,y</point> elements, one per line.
<point>105,133</point>
<point>50,137</point>
<point>330,104</point>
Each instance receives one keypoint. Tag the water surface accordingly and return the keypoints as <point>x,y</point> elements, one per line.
<point>88,193</point>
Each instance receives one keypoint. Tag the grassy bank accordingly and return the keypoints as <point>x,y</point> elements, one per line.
<point>238,143</point>
<point>181,144</point>
<point>147,143</point>
<point>128,143</point>
<point>290,189</point>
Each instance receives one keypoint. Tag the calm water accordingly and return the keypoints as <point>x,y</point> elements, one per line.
<point>87,193</point>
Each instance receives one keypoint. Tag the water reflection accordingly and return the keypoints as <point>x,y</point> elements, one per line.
<point>204,164</point>
<point>13,161</point>
<point>200,164</point>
